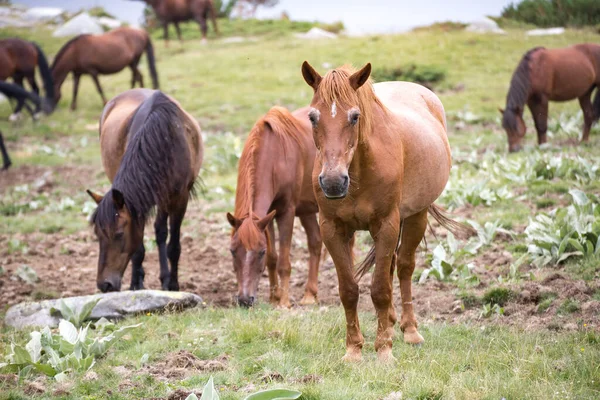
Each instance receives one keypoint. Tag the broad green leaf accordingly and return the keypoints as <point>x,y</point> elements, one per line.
<point>19,355</point>
<point>192,396</point>
<point>86,311</point>
<point>34,346</point>
<point>275,394</point>
<point>68,331</point>
<point>66,311</point>
<point>45,369</point>
<point>577,245</point>
<point>579,197</point>
<point>209,392</point>
<point>61,377</point>
<point>25,372</point>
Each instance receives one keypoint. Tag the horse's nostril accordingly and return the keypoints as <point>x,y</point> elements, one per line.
<point>105,287</point>
<point>321,180</point>
<point>346,179</point>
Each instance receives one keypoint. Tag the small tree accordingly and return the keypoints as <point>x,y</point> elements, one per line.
<point>248,8</point>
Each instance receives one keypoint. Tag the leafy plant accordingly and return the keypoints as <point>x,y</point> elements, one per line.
<point>488,310</point>
<point>56,355</point>
<point>74,316</point>
<point>209,393</point>
<point>444,262</point>
<point>27,274</point>
<point>499,296</point>
<point>566,232</point>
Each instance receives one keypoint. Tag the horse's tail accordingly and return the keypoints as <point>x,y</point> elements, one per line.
<point>596,105</point>
<point>15,91</point>
<point>152,63</point>
<point>213,16</point>
<point>457,228</point>
<point>48,101</point>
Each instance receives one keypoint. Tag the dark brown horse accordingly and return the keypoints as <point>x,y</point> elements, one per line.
<point>383,158</point>
<point>176,11</point>
<point>18,60</point>
<point>152,152</point>
<point>105,54</point>
<point>274,181</point>
<point>545,75</point>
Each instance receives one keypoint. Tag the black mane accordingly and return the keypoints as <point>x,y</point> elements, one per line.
<point>148,164</point>
<point>518,93</point>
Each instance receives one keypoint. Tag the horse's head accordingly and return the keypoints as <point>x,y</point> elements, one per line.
<point>335,116</point>
<point>248,247</point>
<point>512,122</point>
<point>119,236</point>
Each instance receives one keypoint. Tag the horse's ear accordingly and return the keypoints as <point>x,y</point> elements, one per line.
<point>118,199</point>
<point>233,221</point>
<point>359,78</point>
<point>501,110</point>
<point>95,196</point>
<point>311,76</point>
<point>263,223</point>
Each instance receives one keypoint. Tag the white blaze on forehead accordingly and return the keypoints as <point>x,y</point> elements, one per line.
<point>333,109</point>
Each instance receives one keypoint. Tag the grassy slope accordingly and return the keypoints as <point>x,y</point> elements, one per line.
<point>227,86</point>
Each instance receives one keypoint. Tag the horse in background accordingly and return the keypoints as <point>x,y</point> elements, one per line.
<point>176,11</point>
<point>151,152</point>
<point>383,158</point>
<point>105,54</point>
<point>18,60</point>
<point>274,182</point>
<point>23,98</point>
<point>545,75</point>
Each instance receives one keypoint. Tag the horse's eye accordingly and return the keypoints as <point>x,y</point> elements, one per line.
<point>313,120</point>
<point>353,119</point>
<point>232,251</point>
<point>261,253</point>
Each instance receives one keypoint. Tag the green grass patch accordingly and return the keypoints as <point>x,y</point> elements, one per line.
<point>498,295</point>
<point>545,301</point>
<point>569,306</point>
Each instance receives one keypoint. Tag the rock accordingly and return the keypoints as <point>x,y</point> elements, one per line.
<point>44,14</point>
<point>544,32</point>
<point>109,23</point>
<point>484,25</point>
<point>83,23</point>
<point>316,33</point>
<point>111,305</point>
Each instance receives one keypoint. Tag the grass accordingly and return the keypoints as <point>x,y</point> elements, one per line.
<point>227,86</point>
<point>492,362</point>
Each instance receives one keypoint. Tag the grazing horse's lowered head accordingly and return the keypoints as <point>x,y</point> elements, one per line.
<point>336,125</point>
<point>513,124</point>
<point>248,247</point>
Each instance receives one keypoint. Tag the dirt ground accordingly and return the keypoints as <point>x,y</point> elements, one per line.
<point>66,266</point>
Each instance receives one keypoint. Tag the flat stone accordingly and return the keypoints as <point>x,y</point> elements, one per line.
<point>114,305</point>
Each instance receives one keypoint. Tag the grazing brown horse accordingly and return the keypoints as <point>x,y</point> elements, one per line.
<point>552,75</point>
<point>152,152</point>
<point>18,59</point>
<point>383,158</point>
<point>108,53</point>
<point>176,11</point>
<point>274,180</point>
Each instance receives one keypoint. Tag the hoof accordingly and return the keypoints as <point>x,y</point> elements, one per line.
<point>309,300</point>
<point>14,117</point>
<point>352,356</point>
<point>413,337</point>
<point>204,41</point>
<point>173,286</point>
<point>6,166</point>
<point>385,355</point>
<point>37,115</point>
<point>284,305</point>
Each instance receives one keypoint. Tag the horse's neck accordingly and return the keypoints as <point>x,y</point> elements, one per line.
<point>61,70</point>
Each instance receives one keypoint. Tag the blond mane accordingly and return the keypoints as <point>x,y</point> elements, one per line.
<point>288,131</point>
<point>335,87</point>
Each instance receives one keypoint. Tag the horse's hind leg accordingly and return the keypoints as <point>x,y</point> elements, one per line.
<point>161,232</point>
<point>285,223</point>
<point>5,158</point>
<point>313,235</point>
<point>588,114</point>
<point>178,32</point>
<point>201,19</point>
<point>137,270</point>
<point>31,79</point>
<point>18,78</point>
<point>174,248</point>
<point>76,77</point>
<point>538,105</point>
<point>136,75</point>
<point>413,229</point>
<point>97,82</point>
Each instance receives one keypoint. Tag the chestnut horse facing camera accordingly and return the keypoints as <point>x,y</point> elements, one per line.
<point>552,75</point>
<point>104,54</point>
<point>274,181</point>
<point>176,11</point>
<point>18,60</point>
<point>151,152</point>
<point>382,159</point>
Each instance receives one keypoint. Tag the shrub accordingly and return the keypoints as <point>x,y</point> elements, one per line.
<point>548,13</point>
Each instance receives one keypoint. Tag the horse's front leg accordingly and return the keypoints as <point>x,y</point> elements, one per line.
<point>137,270</point>
<point>585,103</point>
<point>274,289</point>
<point>538,105</point>
<point>385,234</point>
<point>285,223</point>
<point>338,240</point>
<point>76,77</point>
<point>5,158</point>
<point>413,229</point>
<point>313,236</point>
<point>174,247</point>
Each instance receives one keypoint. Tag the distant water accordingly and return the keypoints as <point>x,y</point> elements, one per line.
<point>359,16</point>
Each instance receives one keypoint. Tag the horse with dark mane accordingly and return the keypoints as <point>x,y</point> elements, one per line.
<point>30,101</point>
<point>18,60</point>
<point>176,11</point>
<point>545,75</point>
<point>382,160</point>
<point>108,53</point>
<point>151,152</point>
<point>274,181</point>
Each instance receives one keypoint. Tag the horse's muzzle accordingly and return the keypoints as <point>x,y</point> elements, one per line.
<point>334,187</point>
<point>245,301</point>
<point>515,148</point>
<point>109,285</point>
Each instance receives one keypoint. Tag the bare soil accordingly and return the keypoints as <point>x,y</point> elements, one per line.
<point>66,266</point>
